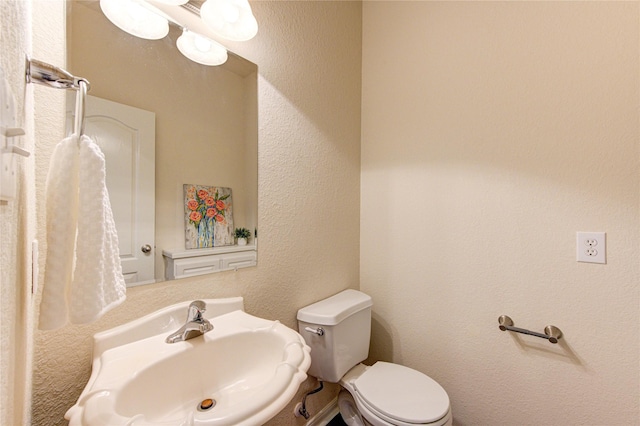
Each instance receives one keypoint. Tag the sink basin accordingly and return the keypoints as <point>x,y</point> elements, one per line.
<point>251,367</point>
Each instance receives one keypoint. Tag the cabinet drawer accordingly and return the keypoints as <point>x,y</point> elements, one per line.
<point>239,260</point>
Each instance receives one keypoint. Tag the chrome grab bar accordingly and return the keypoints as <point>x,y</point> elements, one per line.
<point>551,332</point>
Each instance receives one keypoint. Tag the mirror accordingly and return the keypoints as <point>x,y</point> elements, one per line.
<point>205,119</point>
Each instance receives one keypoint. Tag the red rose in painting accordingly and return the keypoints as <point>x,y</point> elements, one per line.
<point>212,212</point>
<point>195,216</point>
<point>202,194</point>
<point>220,205</point>
<point>192,205</point>
<point>220,218</point>
<point>210,201</point>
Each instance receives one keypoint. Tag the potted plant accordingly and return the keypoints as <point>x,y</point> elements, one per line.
<point>242,234</point>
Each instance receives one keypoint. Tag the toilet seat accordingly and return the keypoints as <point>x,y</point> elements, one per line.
<point>401,395</point>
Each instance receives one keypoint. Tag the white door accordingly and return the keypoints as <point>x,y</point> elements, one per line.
<point>126,135</point>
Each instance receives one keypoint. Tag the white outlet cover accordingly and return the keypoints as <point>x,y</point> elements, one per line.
<point>591,247</point>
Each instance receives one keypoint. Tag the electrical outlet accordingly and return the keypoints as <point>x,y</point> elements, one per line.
<point>591,247</point>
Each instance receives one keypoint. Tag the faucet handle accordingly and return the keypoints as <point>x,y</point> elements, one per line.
<point>199,304</point>
<point>196,308</point>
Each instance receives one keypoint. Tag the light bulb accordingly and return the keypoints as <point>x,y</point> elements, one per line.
<point>230,19</point>
<point>201,43</point>
<point>131,16</point>
<point>201,49</point>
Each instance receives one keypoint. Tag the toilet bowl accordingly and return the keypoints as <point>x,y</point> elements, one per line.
<point>385,394</point>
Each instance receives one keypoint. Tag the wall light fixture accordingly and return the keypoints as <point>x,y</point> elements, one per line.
<point>204,25</point>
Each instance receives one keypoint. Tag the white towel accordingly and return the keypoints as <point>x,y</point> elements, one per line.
<point>83,276</point>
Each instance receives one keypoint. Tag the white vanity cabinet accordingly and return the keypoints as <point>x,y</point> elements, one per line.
<point>190,263</point>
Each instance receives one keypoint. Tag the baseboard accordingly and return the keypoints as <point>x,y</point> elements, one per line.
<point>325,415</point>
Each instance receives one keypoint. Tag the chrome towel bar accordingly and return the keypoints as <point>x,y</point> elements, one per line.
<point>551,332</point>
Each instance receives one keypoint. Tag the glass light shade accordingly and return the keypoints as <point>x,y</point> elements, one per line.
<point>131,16</point>
<point>201,49</point>
<point>230,19</point>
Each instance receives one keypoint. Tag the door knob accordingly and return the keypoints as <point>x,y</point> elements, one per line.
<point>146,248</point>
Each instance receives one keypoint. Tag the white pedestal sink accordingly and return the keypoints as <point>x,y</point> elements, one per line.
<point>250,367</point>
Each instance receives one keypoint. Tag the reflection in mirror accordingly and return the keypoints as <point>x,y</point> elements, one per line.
<point>205,132</point>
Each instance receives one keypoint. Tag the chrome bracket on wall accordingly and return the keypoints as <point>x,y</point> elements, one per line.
<point>551,332</point>
<point>51,76</point>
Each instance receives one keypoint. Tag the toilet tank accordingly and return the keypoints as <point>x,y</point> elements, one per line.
<point>345,321</point>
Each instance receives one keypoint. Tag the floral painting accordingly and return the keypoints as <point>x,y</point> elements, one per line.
<point>208,216</point>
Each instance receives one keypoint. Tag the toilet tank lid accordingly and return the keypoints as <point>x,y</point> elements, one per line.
<point>336,308</point>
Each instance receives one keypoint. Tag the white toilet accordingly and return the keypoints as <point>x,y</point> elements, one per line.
<point>338,331</point>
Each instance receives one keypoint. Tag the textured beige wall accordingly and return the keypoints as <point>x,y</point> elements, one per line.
<point>15,227</point>
<point>36,109</point>
<point>492,132</point>
<point>309,61</point>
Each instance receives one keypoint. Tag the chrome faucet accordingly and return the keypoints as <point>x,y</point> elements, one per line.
<point>195,326</point>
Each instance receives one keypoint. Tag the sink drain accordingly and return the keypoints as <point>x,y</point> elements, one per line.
<point>206,404</point>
